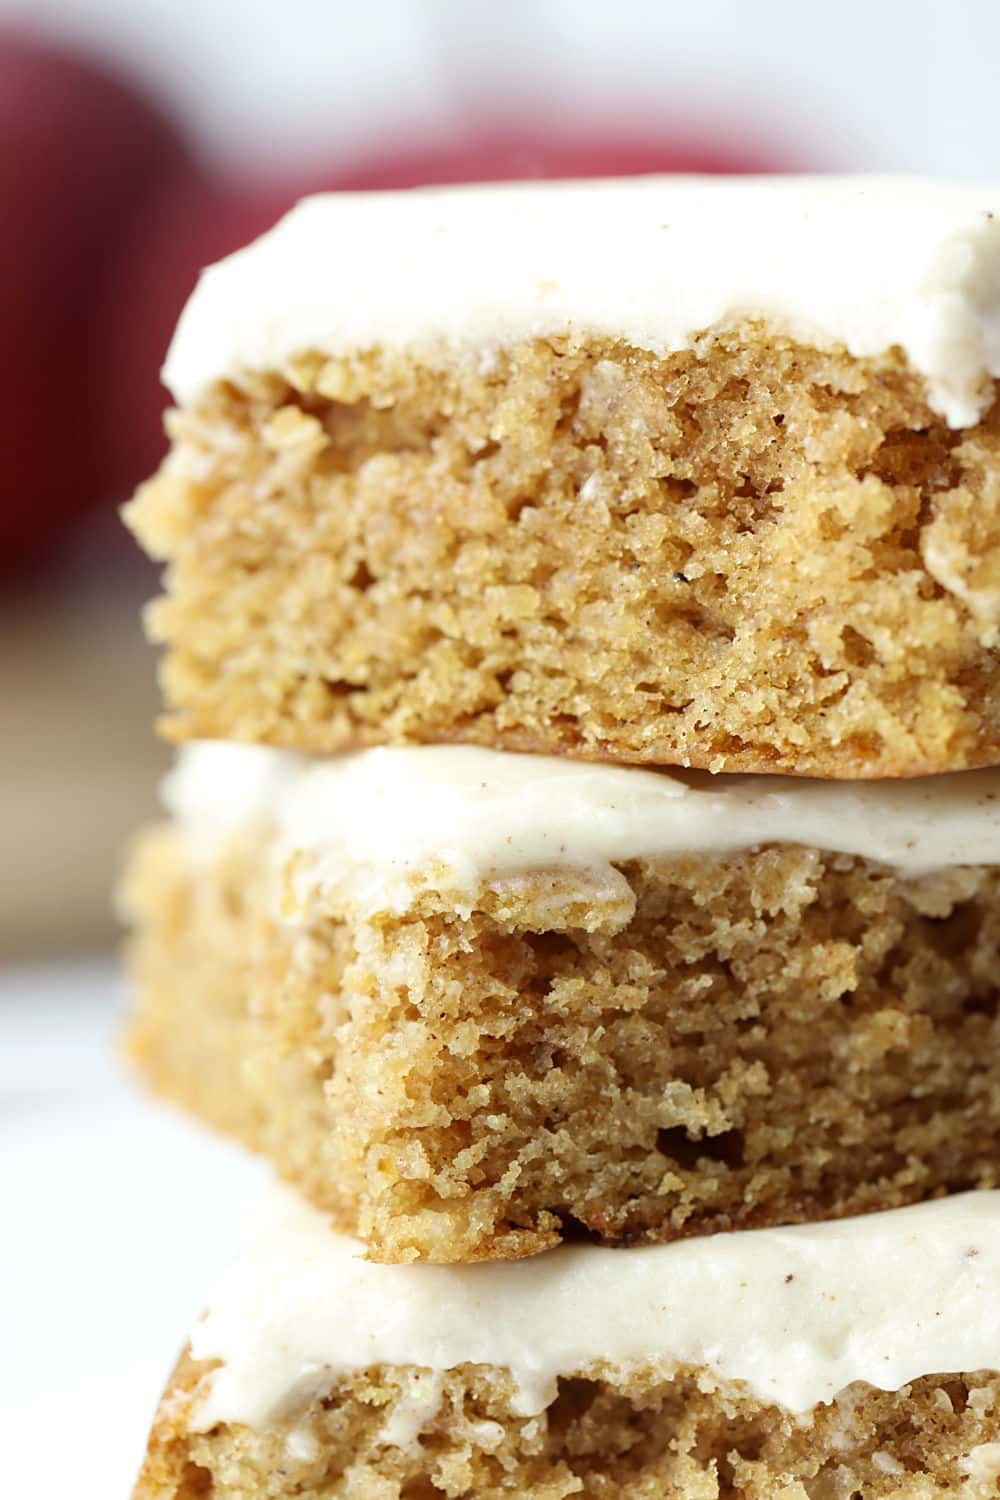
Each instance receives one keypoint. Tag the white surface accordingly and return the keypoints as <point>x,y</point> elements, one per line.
<point>798,1314</point>
<point>368,831</point>
<point>868,262</point>
<point>115,1215</point>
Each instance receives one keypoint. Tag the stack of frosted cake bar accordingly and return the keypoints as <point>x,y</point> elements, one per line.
<point>582,617</point>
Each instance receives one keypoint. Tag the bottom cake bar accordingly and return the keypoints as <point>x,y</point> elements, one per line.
<point>818,1362</point>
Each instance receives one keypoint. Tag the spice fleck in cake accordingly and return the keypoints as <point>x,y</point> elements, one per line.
<point>670,470</point>
<point>474,1002</point>
<point>852,1359</point>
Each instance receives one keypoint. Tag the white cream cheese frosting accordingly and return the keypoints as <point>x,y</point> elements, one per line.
<point>798,1314</point>
<point>380,823</point>
<point>868,262</point>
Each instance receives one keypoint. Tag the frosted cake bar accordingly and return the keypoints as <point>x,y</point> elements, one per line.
<point>850,1358</point>
<point>670,470</point>
<point>473,1003</point>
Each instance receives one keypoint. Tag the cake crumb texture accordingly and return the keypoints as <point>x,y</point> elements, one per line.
<point>608,1434</point>
<point>678,1047</point>
<point>751,555</point>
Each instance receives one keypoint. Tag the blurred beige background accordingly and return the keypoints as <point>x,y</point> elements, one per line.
<point>79,762</point>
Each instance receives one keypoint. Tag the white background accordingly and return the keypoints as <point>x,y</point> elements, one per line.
<point>899,84</point>
<point>114,1215</point>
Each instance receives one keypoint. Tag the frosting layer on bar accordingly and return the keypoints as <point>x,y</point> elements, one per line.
<point>798,1314</point>
<point>381,823</point>
<point>868,262</point>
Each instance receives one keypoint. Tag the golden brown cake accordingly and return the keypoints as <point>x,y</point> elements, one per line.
<point>675,471</point>
<point>473,1003</point>
<point>856,1359</point>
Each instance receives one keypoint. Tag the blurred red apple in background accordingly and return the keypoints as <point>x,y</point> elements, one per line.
<point>511,154</point>
<point>78,148</point>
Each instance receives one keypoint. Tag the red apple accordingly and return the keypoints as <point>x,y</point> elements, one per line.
<point>78,148</point>
<point>504,154</point>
